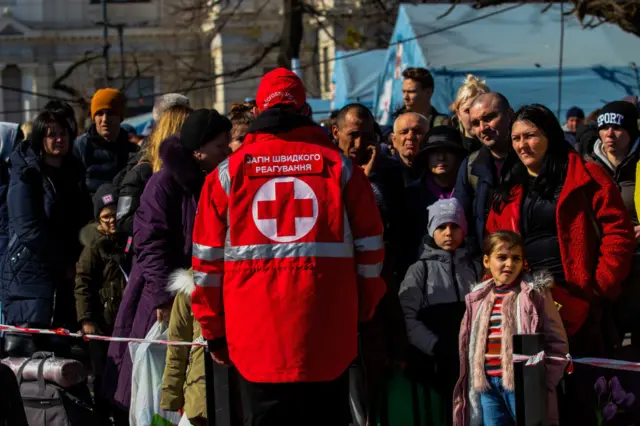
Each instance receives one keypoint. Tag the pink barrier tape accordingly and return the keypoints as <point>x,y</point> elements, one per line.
<point>87,337</point>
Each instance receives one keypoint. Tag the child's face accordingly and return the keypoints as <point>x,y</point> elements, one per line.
<point>108,220</point>
<point>504,263</point>
<point>448,236</point>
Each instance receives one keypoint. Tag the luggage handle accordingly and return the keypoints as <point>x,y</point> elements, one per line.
<point>43,356</point>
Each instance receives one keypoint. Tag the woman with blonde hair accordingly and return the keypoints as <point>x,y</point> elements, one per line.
<point>141,167</point>
<point>471,88</point>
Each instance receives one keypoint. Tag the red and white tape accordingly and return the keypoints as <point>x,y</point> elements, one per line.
<point>530,360</point>
<point>87,337</point>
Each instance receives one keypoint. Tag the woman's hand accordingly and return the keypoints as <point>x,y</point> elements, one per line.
<point>221,357</point>
<point>163,314</point>
<point>637,231</point>
<point>88,327</point>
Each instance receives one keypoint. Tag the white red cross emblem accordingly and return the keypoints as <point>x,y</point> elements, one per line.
<point>285,209</point>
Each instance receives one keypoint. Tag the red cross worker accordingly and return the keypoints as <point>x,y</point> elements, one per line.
<point>287,257</point>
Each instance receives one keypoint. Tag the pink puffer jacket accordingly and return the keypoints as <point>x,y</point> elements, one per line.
<point>527,311</point>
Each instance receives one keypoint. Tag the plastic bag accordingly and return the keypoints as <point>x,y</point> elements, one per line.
<point>146,384</point>
<point>184,421</point>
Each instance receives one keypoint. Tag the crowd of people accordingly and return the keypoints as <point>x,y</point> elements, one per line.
<point>315,260</point>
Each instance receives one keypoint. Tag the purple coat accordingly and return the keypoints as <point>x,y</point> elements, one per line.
<point>162,231</point>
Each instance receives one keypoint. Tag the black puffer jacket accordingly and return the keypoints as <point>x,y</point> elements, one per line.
<point>102,160</point>
<point>131,183</point>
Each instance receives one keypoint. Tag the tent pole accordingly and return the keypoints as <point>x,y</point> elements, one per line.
<point>561,58</point>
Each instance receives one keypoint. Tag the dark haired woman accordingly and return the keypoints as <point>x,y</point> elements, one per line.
<point>46,209</point>
<point>573,221</point>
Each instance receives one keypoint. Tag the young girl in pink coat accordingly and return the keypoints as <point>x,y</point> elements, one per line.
<point>510,302</point>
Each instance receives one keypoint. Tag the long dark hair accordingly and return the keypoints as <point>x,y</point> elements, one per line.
<point>41,125</point>
<point>554,163</point>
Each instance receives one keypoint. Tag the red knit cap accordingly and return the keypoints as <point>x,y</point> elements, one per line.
<point>280,87</point>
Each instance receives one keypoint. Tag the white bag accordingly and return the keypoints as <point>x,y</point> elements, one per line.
<point>148,368</point>
<point>184,421</point>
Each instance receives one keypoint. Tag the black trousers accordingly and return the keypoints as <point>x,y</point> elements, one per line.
<point>296,404</point>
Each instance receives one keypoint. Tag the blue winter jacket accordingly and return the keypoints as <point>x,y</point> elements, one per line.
<point>9,135</point>
<point>40,249</point>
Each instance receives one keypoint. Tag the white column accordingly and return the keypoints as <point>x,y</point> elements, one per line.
<point>1,94</point>
<point>29,101</point>
<point>44,76</point>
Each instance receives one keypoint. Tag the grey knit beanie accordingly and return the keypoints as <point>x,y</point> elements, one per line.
<point>446,211</point>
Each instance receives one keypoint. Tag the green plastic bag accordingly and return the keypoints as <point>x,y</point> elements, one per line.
<point>402,397</point>
<point>160,421</point>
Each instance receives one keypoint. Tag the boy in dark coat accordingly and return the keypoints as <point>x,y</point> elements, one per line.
<point>100,282</point>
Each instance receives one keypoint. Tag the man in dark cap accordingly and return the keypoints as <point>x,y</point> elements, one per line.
<point>617,149</point>
<point>575,117</point>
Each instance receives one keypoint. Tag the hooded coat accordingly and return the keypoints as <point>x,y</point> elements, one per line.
<point>46,208</point>
<point>438,278</point>
<point>102,160</point>
<point>624,175</point>
<point>183,384</point>
<point>162,238</point>
<point>10,136</point>
<point>529,309</point>
<point>100,281</point>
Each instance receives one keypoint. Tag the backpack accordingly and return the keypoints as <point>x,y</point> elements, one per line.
<point>48,404</point>
<point>472,179</point>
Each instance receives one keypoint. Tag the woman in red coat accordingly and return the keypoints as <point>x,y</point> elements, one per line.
<point>573,221</point>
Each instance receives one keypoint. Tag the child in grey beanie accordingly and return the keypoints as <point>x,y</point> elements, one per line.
<point>432,299</point>
<point>446,211</point>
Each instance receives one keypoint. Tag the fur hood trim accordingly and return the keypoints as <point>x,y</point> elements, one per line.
<point>90,235</point>
<point>538,281</point>
<point>181,281</point>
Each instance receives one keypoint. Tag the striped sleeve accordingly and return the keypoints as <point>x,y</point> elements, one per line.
<point>366,227</point>
<point>209,233</point>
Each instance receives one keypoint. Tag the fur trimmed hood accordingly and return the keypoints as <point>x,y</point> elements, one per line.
<point>181,281</point>
<point>90,234</point>
<point>538,282</point>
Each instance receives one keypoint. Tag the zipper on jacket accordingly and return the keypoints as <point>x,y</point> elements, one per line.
<point>453,275</point>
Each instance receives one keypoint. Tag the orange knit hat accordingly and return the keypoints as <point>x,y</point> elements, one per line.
<point>110,99</point>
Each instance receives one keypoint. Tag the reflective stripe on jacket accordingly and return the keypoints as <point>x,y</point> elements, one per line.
<point>287,263</point>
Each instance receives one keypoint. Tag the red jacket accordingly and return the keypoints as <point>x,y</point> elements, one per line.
<point>287,254</point>
<point>592,267</point>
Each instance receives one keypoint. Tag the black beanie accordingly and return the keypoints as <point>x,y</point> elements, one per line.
<point>106,195</point>
<point>622,114</point>
<point>201,126</point>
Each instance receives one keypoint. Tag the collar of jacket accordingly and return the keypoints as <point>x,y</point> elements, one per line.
<point>484,166</point>
<point>577,177</point>
<point>276,120</point>
<point>601,156</point>
<point>181,164</point>
<point>282,125</point>
<point>95,138</point>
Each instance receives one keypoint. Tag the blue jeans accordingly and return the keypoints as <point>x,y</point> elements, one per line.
<point>498,404</point>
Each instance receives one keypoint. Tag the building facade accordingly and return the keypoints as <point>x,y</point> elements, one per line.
<point>45,42</point>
